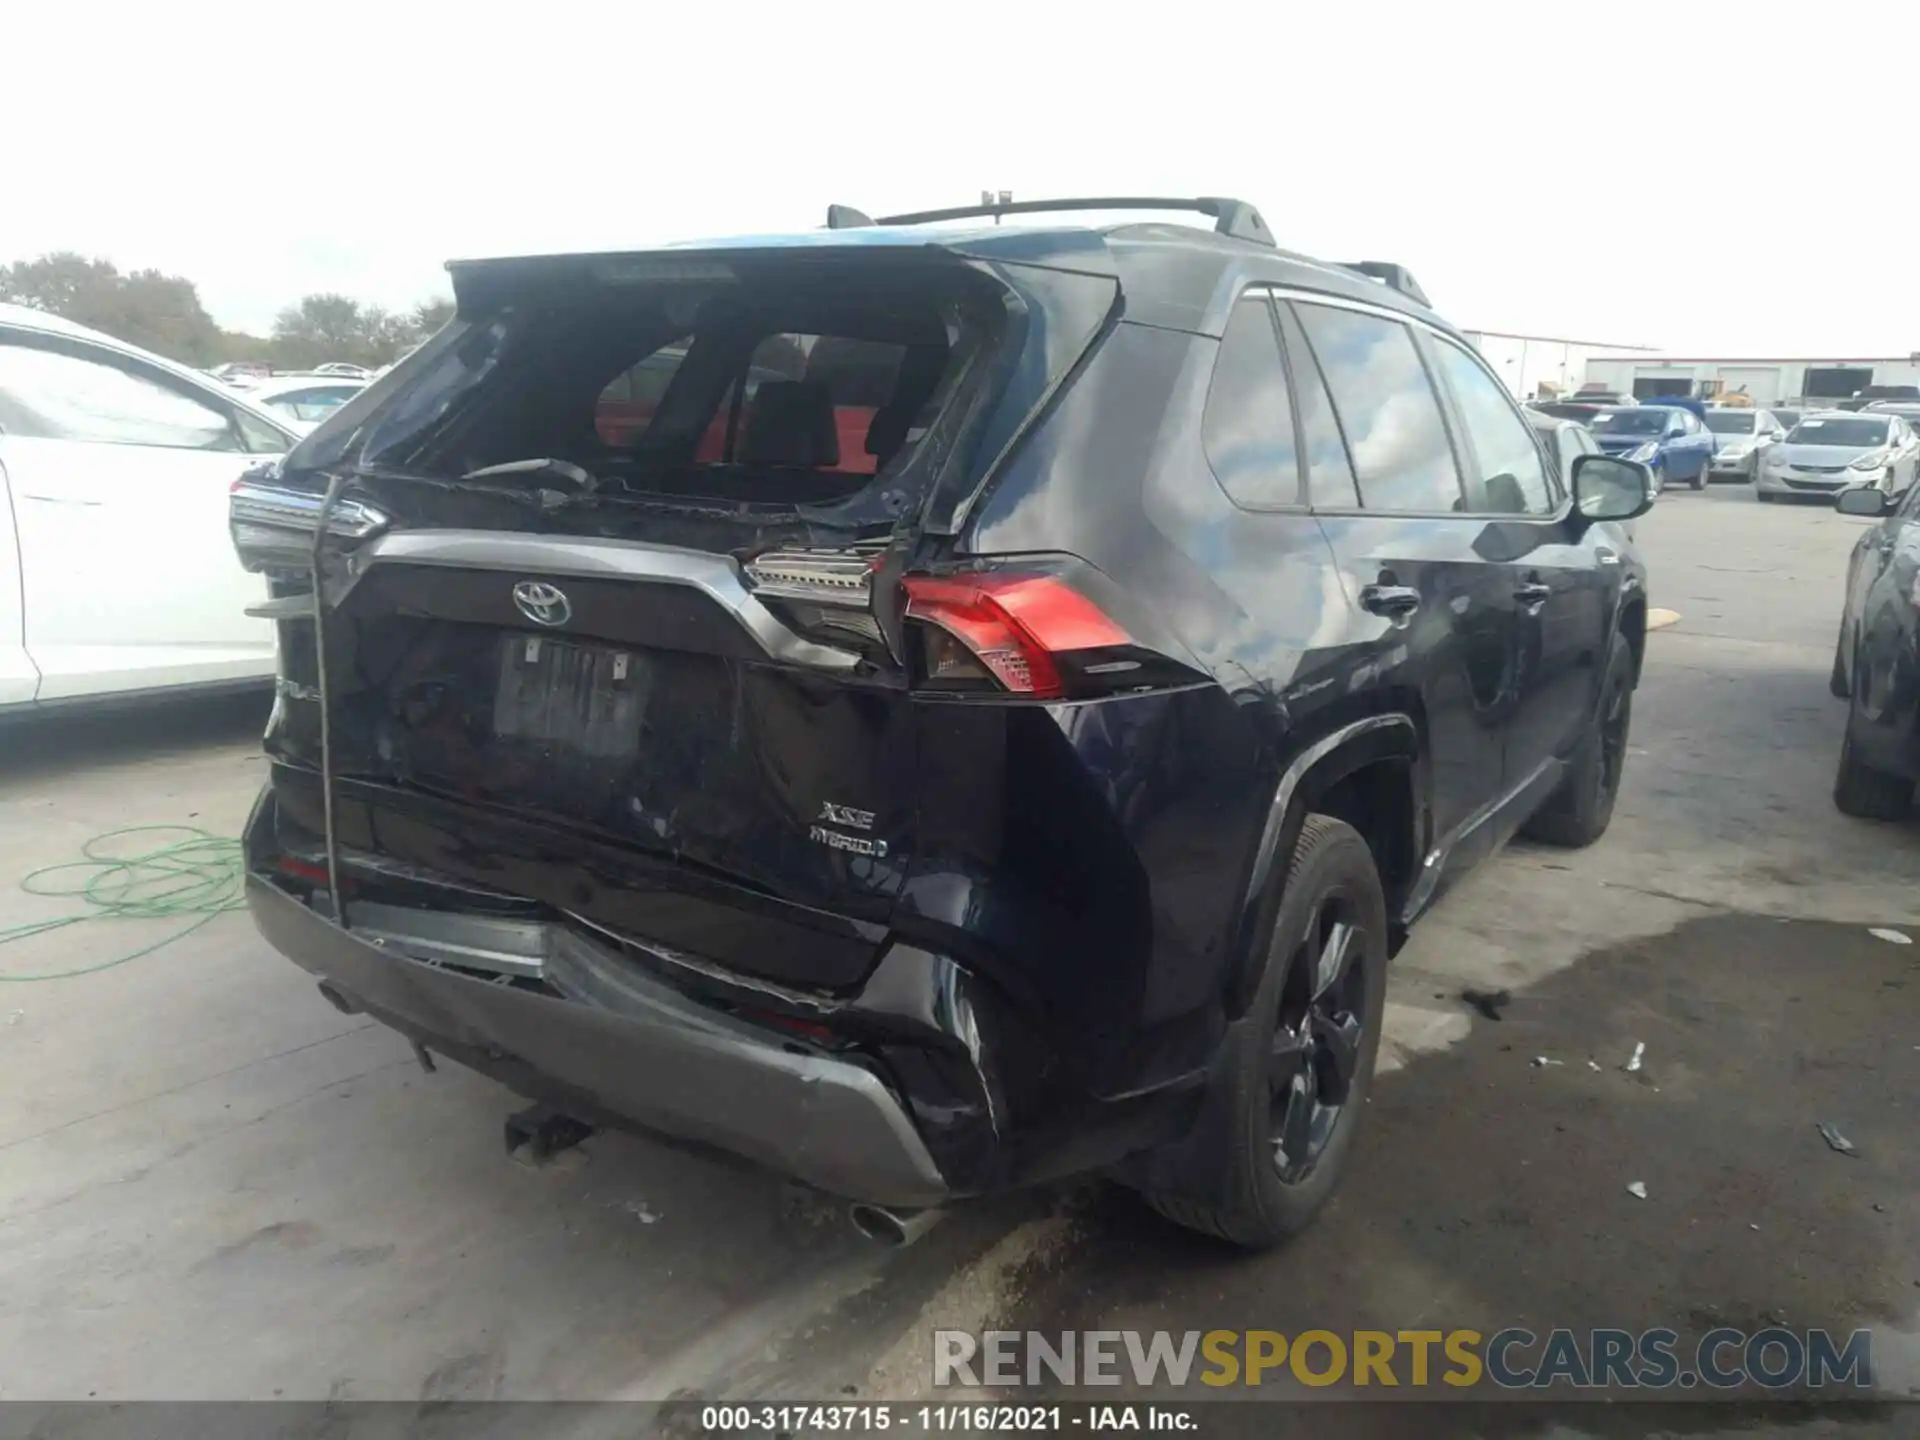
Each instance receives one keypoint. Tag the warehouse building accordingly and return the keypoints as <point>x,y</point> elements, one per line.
<point>1762,382</point>
<point>1538,365</point>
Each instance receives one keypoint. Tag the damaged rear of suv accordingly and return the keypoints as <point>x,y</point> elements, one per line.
<point>782,695</point>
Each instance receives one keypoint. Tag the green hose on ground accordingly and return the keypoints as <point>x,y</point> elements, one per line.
<point>201,875</point>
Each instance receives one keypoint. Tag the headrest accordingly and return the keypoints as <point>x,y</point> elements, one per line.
<point>791,424</point>
<point>920,372</point>
<point>887,431</point>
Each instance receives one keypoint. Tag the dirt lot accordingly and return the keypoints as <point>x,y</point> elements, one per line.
<point>215,1186</point>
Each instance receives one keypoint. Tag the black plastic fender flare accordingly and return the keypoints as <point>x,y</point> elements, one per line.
<point>1324,762</point>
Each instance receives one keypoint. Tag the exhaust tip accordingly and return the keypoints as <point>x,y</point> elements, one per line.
<point>892,1228</point>
<point>339,999</point>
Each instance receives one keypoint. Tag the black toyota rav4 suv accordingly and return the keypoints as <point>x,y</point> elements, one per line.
<point>930,705</point>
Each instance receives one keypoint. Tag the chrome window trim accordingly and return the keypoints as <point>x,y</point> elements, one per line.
<point>1387,312</point>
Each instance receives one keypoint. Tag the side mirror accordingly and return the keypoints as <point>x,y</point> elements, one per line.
<point>1605,487</point>
<point>1868,500</point>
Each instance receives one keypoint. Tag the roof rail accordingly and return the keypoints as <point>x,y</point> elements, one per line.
<point>1231,217</point>
<point>1394,277</point>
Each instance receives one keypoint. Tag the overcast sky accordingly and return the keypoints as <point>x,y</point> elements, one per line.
<point>1736,179</point>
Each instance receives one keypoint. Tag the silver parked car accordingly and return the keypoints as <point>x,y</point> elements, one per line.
<point>1741,438</point>
<point>1830,450</point>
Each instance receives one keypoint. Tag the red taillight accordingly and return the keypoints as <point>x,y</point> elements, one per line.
<point>808,1029</point>
<point>1014,624</point>
<point>309,871</point>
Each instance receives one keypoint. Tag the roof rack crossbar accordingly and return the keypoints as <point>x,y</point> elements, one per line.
<point>1231,217</point>
<point>1394,277</point>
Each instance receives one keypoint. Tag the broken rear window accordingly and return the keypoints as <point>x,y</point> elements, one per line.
<point>786,389</point>
<point>853,381</point>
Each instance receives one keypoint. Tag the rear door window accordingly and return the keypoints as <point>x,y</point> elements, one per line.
<point>1388,412</point>
<point>1330,483</point>
<point>1248,428</point>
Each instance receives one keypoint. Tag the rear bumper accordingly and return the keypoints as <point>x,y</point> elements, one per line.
<point>680,1069</point>
<point>1044,996</point>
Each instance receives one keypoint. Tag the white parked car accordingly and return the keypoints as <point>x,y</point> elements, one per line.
<point>305,400</point>
<point>117,571</point>
<point>1830,451</point>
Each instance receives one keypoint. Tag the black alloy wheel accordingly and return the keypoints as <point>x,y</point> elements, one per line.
<point>1317,1040</point>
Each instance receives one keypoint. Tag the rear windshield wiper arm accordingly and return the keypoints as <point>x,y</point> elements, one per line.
<point>582,481</point>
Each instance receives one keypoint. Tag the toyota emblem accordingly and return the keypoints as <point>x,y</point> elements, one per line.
<point>542,603</point>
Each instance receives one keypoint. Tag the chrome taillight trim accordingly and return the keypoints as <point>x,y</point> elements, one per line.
<point>282,607</point>
<point>298,510</point>
<point>271,523</point>
<point>839,578</point>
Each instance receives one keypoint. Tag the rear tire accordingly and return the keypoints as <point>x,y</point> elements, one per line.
<point>1699,481</point>
<point>1765,497</point>
<point>1579,812</point>
<point>1862,790</point>
<point>1308,1041</point>
<point>1865,793</point>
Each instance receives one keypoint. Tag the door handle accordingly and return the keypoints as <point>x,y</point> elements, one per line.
<point>1390,600</point>
<point>1533,593</point>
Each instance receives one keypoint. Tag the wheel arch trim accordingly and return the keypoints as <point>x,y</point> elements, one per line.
<point>1358,743</point>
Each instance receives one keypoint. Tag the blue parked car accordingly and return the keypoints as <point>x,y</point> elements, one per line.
<point>1669,439</point>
